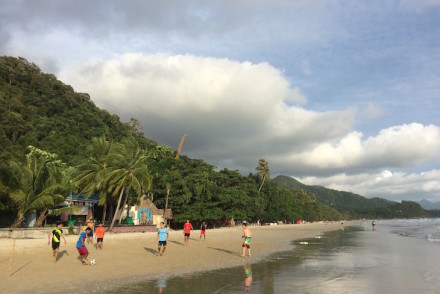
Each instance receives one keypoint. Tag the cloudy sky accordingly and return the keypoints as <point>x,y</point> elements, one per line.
<point>343,94</point>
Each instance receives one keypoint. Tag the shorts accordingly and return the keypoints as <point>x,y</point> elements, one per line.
<point>55,245</point>
<point>247,242</point>
<point>83,251</point>
<point>100,239</point>
<point>202,232</point>
<point>187,235</point>
<point>90,234</point>
<point>162,243</point>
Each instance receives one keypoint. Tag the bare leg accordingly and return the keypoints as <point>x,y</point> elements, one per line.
<point>163,250</point>
<point>55,254</point>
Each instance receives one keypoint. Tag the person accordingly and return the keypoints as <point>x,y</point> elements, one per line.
<point>81,246</point>
<point>100,231</point>
<point>203,231</point>
<point>187,227</point>
<point>373,223</point>
<point>91,225</point>
<point>247,239</point>
<point>162,238</point>
<point>57,234</point>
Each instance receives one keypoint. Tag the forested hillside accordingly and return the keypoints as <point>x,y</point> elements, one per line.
<point>39,110</point>
<point>355,205</point>
<point>54,141</point>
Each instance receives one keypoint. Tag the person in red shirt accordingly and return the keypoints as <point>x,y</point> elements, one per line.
<point>187,227</point>
<point>100,231</point>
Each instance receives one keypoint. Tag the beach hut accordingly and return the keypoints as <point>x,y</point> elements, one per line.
<point>146,213</point>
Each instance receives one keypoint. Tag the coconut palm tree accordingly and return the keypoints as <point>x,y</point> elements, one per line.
<point>92,176</point>
<point>131,173</point>
<point>37,183</point>
<point>263,171</point>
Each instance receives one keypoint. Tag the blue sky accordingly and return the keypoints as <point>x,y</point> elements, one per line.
<point>343,94</point>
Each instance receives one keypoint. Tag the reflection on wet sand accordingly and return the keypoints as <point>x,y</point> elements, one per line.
<point>248,277</point>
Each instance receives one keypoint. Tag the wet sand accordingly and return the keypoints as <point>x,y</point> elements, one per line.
<point>132,257</point>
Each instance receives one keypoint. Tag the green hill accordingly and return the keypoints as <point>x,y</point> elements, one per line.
<point>37,109</point>
<point>352,204</point>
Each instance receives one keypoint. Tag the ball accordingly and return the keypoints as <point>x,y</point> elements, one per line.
<point>92,262</point>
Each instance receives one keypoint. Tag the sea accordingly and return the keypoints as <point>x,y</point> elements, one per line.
<point>399,256</point>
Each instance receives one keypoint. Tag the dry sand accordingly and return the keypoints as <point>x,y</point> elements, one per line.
<point>132,257</point>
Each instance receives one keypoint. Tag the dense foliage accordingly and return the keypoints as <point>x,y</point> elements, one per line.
<point>101,155</point>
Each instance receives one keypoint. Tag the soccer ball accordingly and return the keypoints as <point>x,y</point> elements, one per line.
<point>92,262</point>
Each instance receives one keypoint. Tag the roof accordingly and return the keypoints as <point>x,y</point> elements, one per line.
<point>82,197</point>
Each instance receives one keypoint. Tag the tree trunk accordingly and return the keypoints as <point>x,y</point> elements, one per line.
<point>166,206</point>
<point>261,185</point>
<point>123,206</point>
<point>18,220</point>
<point>104,211</point>
<point>39,222</point>
<point>117,208</point>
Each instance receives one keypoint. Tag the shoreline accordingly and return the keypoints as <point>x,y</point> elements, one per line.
<point>131,257</point>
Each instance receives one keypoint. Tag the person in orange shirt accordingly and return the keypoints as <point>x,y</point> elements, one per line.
<point>100,231</point>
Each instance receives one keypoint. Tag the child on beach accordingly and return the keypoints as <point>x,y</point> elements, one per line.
<point>162,238</point>
<point>100,231</point>
<point>187,227</point>
<point>57,234</point>
<point>203,231</point>
<point>81,246</point>
<point>247,239</point>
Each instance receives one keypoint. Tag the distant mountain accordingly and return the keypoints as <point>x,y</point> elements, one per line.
<point>350,203</point>
<point>429,205</point>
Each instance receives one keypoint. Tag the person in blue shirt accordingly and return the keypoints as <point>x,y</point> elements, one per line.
<point>162,237</point>
<point>81,246</point>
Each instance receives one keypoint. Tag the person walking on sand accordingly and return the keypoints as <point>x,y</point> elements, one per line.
<point>187,227</point>
<point>247,239</point>
<point>100,231</point>
<point>57,234</point>
<point>91,225</point>
<point>81,246</point>
<point>162,238</point>
<point>203,231</point>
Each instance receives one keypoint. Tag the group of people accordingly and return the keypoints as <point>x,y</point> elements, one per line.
<point>88,234</point>
<point>162,238</point>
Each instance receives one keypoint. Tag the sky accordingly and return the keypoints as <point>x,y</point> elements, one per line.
<point>342,94</point>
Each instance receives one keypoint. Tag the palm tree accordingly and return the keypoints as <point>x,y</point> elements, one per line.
<point>131,173</point>
<point>37,183</point>
<point>93,173</point>
<point>263,171</point>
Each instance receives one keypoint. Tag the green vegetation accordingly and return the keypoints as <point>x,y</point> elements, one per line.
<point>55,142</point>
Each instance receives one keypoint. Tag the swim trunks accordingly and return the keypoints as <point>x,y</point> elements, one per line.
<point>247,242</point>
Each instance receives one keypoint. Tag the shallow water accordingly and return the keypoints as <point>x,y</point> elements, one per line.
<point>392,259</point>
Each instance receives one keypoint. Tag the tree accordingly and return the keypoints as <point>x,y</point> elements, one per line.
<point>263,171</point>
<point>131,172</point>
<point>37,183</point>
<point>93,173</point>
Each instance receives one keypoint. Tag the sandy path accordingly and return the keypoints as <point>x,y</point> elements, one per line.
<point>132,257</point>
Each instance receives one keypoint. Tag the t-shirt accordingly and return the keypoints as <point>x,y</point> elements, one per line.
<point>203,227</point>
<point>162,234</point>
<point>187,228</point>
<point>56,235</point>
<point>83,236</point>
<point>100,232</point>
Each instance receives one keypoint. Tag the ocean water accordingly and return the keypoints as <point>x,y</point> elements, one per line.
<point>400,256</point>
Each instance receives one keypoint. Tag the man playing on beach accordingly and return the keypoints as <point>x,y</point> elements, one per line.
<point>162,238</point>
<point>247,239</point>
<point>187,227</point>
<point>100,231</point>
<point>57,234</point>
<point>81,246</point>
<point>91,225</point>
<point>203,231</point>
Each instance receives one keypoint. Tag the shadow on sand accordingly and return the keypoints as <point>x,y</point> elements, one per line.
<point>21,268</point>
<point>152,251</point>
<point>227,251</point>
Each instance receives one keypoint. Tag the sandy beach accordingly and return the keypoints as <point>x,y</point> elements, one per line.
<point>132,257</point>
